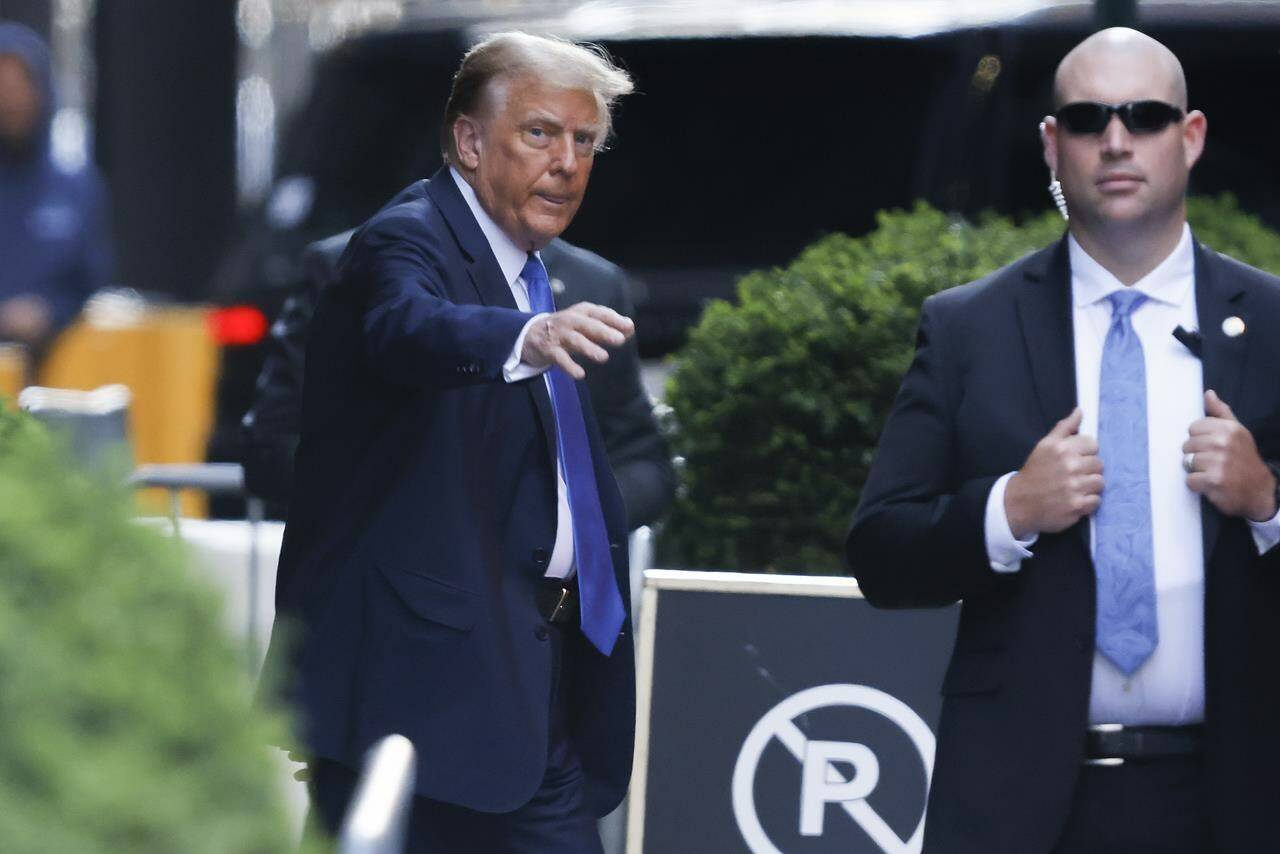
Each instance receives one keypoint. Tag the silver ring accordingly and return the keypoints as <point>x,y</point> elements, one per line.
<point>1188,463</point>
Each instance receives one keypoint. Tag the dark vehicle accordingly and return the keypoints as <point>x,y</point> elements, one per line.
<point>754,132</point>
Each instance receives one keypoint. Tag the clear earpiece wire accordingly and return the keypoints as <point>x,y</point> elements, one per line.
<point>1055,190</point>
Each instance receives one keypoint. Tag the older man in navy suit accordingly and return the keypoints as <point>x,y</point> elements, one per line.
<point>454,560</point>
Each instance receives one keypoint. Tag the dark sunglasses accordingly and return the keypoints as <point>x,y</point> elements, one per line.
<point>1136,116</point>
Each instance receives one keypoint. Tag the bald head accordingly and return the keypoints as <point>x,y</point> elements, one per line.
<point>1116,61</point>
<point>1123,173</point>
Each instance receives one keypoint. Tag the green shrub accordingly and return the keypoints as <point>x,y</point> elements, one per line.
<point>778,399</point>
<point>125,716</point>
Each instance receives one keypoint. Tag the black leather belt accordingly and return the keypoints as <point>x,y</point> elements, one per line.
<point>558,599</point>
<point>1112,744</point>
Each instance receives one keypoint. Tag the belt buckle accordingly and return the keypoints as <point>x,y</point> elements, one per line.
<point>559,607</point>
<point>1106,761</point>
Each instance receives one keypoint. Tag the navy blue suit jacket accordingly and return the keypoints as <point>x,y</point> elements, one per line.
<point>424,512</point>
<point>994,370</point>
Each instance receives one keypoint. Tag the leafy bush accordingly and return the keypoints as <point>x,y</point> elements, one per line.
<point>125,718</point>
<point>779,399</point>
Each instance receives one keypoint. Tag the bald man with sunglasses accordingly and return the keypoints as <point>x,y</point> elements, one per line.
<point>1084,453</point>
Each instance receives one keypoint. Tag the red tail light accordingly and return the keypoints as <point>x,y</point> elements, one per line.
<point>237,325</point>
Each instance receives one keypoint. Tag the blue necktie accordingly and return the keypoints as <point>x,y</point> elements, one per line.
<point>1123,550</point>
<point>601,609</point>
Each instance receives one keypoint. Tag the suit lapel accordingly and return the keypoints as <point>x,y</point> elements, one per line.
<point>1222,357</point>
<point>482,266</point>
<point>491,286</point>
<point>1217,298</point>
<point>1048,335</point>
<point>1044,313</point>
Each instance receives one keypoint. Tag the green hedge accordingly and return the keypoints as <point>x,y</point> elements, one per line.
<point>125,716</point>
<point>778,399</point>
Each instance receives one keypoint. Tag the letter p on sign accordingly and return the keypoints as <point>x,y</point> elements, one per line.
<point>823,783</point>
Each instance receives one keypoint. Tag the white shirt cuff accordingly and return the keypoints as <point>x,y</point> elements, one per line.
<point>1004,551</point>
<point>514,370</point>
<point>1265,534</point>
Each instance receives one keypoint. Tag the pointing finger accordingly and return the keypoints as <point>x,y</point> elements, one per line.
<point>608,316</point>
<point>599,331</point>
<point>566,362</point>
<point>580,343</point>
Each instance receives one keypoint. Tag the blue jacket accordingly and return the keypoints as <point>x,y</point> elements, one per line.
<point>53,237</point>
<point>423,516</point>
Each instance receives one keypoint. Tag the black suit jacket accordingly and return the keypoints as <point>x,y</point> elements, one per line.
<point>422,520</point>
<point>637,452</point>
<point>993,371</point>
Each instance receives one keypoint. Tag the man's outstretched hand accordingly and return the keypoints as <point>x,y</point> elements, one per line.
<point>584,328</point>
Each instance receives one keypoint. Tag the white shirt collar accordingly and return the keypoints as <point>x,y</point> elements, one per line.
<point>1170,282</point>
<point>511,258</point>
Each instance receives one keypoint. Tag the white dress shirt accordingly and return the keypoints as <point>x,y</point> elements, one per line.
<point>1169,687</point>
<point>511,260</point>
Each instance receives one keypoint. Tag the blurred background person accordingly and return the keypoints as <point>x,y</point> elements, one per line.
<point>53,233</point>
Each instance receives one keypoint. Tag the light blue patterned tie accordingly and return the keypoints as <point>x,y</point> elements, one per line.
<point>601,613</point>
<point>1123,551</point>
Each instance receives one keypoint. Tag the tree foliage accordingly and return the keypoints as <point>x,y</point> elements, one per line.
<point>125,715</point>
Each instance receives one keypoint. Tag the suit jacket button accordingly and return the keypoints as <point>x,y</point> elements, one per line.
<point>540,556</point>
<point>1083,644</point>
<point>540,633</point>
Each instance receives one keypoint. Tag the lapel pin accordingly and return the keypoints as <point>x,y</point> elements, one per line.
<point>557,287</point>
<point>1233,327</point>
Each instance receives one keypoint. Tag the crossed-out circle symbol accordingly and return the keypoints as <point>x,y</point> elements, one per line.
<point>778,723</point>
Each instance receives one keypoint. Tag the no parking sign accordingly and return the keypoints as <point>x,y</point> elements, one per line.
<point>782,714</point>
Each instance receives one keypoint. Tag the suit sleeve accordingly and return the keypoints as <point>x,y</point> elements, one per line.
<point>637,452</point>
<point>917,538</point>
<point>1267,534</point>
<point>414,335</point>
